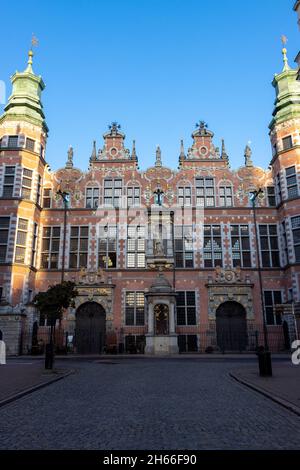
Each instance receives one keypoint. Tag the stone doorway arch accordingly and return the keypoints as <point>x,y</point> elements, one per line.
<point>90,328</point>
<point>231,326</point>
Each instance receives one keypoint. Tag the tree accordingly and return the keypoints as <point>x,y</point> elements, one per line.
<point>51,305</point>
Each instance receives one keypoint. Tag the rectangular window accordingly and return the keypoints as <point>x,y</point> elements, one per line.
<point>187,343</point>
<point>284,241</point>
<point>269,251</point>
<point>133,196</point>
<point>30,144</point>
<point>240,246</point>
<point>34,244</point>
<point>26,183</point>
<point>278,188</point>
<point>271,196</point>
<point>47,197</point>
<point>134,311</point>
<point>21,241</point>
<point>42,151</point>
<point>225,193</point>
<point>291,182</point>
<point>184,246</point>
<point>9,181</point>
<point>212,247</point>
<point>296,236</point>
<point>186,308</point>
<point>287,142</point>
<point>38,190</point>
<point>205,192</point>
<point>107,247</point>
<point>13,141</point>
<point>50,247</point>
<point>4,231</point>
<point>185,196</point>
<point>271,298</point>
<point>79,241</point>
<point>92,198</point>
<point>135,343</point>
<point>112,192</point>
<point>136,247</point>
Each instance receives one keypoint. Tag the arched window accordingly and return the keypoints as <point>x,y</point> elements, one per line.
<point>92,197</point>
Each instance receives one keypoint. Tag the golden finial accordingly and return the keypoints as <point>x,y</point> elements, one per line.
<point>284,40</point>
<point>33,43</point>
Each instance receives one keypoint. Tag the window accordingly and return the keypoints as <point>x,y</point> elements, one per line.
<point>185,196</point>
<point>133,196</point>
<point>271,298</point>
<point>278,188</point>
<point>212,248</point>
<point>291,182</point>
<point>42,151</point>
<point>112,192</point>
<point>92,198</point>
<point>13,141</point>
<point>284,241</point>
<point>187,343</point>
<point>21,241</point>
<point>296,236</point>
<point>225,193</point>
<point>47,197</point>
<point>30,144</point>
<point>79,247</point>
<point>205,192</point>
<point>9,181</point>
<point>135,247</point>
<point>271,196</point>
<point>287,142</point>
<point>269,246</point>
<point>183,244</point>
<point>186,308</point>
<point>26,183</point>
<point>38,190</point>
<point>135,343</point>
<point>134,313</point>
<point>50,247</point>
<point>107,247</point>
<point>240,245</point>
<point>34,244</point>
<point>4,230</point>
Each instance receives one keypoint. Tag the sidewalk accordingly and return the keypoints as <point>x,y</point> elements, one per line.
<point>20,378</point>
<point>283,387</point>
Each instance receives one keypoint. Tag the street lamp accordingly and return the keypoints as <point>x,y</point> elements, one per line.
<point>64,195</point>
<point>264,356</point>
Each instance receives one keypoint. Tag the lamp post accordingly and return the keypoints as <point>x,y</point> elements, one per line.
<point>264,356</point>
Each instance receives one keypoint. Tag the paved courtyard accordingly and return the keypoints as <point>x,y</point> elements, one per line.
<point>148,404</point>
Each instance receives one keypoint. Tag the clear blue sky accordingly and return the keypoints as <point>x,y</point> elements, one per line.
<point>155,66</point>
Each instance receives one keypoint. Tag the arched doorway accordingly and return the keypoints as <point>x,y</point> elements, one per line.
<point>231,325</point>
<point>161,315</point>
<point>90,328</point>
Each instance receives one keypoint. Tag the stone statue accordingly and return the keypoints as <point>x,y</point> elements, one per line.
<point>158,248</point>
<point>69,163</point>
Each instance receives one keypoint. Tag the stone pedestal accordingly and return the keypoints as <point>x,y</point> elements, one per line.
<point>161,344</point>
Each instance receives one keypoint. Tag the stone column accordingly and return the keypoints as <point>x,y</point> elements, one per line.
<point>150,318</point>
<point>172,318</point>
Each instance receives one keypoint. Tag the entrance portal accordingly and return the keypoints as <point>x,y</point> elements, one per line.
<point>231,327</point>
<point>90,328</point>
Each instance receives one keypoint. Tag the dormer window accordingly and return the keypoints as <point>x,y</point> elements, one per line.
<point>287,142</point>
<point>205,192</point>
<point>112,192</point>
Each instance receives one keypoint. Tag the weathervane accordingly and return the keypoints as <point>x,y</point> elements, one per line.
<point>34,41</point>
<point>284,40</point>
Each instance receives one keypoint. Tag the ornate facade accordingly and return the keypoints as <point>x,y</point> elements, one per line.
<point>164,259</point>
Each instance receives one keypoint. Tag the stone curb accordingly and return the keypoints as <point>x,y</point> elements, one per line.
<point>29,390</point>
<point>286,404</point>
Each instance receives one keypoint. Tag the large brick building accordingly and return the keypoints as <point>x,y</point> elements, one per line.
<point>162,258</point>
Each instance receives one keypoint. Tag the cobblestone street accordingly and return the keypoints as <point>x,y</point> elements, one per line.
<point>148,404</point>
